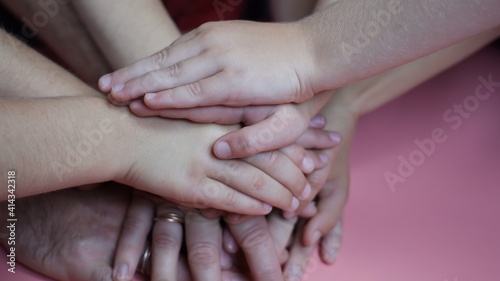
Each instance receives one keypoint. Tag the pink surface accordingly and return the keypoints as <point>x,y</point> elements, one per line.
<point>443,222</point>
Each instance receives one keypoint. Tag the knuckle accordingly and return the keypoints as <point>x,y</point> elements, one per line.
<point>257,181</point>
<point>245,145</point>
<point>273,159</point>
<point>132,224</point>
<point>203,253</point>
<point>165,241</point>
<point>254,237</point>
<point>160,58</point>
<point>194,89</point>
<point>230,199</point>
<point>172,71</point>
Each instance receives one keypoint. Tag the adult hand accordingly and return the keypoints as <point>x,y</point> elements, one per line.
<point>71,235</point>
<point>244,63</point>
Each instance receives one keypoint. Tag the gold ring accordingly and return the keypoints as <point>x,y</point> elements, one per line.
<point>142,268</point>
<point>171,214</point>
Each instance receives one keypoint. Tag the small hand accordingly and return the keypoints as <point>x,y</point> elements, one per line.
<point>244,63</point>
<point>174,160</point>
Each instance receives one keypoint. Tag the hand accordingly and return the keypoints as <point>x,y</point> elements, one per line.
<point>267,127</point>
<point>71,235</point>
<point>173,160</point>
<point>244,63</point>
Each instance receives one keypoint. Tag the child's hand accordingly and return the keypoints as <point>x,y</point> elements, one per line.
<point>234,63</point>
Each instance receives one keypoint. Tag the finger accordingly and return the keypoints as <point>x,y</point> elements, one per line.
<point>166,244</point>
<point>306,160</point>
<point>216,194</point>
<point>298,259</point>
<point>257,244</point>
<point>100,272</point>
<point>319,139</point>
<point>215,114</point>
<point>210,91</point>
<point>330,244</point>
<point>133,236</point>
<point>318,122</point>
<point>204,242</point>
<point>317,180</point>
<point>331,202</point>
<point>277,165</point>
<point>310,211</point>
<point>254,183</point>
<point>115,82</point>
<point>280,129</point>
<point>226,262</point>
<point>281,230</point>
<point>229,242</point>
<point>181,73</point>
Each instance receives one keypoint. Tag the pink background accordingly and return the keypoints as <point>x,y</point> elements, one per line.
<point>443,222</point>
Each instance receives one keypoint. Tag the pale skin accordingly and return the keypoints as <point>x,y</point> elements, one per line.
<point>365,95</point>
<point>81,101</point>
<point>312,55</point>
<point>139,108</point>
<point>55,166</point>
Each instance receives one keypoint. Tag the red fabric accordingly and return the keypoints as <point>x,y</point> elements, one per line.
<point>189,14</point>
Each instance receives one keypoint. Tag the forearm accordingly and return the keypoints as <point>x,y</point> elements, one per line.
<point>369,94</point>
<point>127,30</point>
<point>21,69</point>
<point>352,40</point>
<point>55,143</point>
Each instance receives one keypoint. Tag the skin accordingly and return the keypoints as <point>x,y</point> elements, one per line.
<point>290,154</point>
<point>227,51</point>
<point>343,111</point>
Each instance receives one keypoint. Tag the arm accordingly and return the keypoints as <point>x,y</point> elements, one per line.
<point>342,113</point>
<point>276,63</point>
<point>386,34</point>
<point>127,30</point>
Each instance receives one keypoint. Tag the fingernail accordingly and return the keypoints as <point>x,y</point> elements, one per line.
<point>324,158</point>
<point>149,96</point>
<point>121,272</point>
<point>307,191</point>
<point>267,208</point>
<point>105,81</point>
<point>307,164</point>
<point>318,121</point>
<point>289,215</point>
<point>117,88</point>
<point>295,204</point>
<point>222,149</point>
<point>334,136</point>
<point>315,237</point>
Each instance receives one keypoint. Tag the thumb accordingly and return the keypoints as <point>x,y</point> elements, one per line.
<point>280,129</point>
